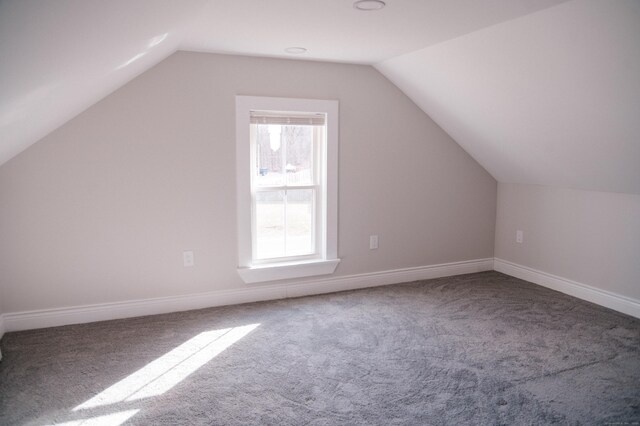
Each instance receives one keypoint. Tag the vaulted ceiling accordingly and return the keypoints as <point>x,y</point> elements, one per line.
<point>551,98</point>
<point>537,91</point>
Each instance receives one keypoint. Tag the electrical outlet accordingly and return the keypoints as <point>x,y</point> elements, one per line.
<point>373,242</point>
<point>187,258</point>
<point>519,236</point>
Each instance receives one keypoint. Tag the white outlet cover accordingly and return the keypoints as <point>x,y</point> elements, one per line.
<point>188,258</point>
<point>373,242</point>
<point>519,236</point>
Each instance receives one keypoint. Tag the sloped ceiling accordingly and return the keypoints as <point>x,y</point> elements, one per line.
<point>60,57</point>
<point>537,91</point>
<point>57,58</point>
<point>333,30</point>
<point>551,98</point>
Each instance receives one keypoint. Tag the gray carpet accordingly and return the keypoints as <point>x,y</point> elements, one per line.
<point>474,349</point>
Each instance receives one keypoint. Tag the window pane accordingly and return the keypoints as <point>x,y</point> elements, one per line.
<point>270,233</point>
<point>269,151</point>
<point>299,151</point>
<point>300,229</point>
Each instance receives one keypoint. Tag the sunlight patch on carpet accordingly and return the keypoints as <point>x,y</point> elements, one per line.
<point>164,373</point>
<point>113,419</point>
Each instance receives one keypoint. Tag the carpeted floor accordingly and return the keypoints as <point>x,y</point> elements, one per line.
<point>475,349</point>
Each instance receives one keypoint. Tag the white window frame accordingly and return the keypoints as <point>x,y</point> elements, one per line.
<point>326,259</point>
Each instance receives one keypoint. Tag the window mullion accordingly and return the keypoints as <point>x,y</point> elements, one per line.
<point>283,188</point>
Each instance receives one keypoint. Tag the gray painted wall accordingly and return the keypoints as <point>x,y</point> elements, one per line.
<point>589,237</point>
<point>101,209</point>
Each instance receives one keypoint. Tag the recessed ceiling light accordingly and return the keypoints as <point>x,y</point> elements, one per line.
<point>295,50</point>
<point>369,5</point>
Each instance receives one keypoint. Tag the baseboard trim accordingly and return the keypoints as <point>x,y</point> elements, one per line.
<point>586,292</point>
<point>27,320</point>
<point>1,326</point>
<point>1,333</point>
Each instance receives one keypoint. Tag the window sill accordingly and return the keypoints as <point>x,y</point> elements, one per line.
<point>282,271</point>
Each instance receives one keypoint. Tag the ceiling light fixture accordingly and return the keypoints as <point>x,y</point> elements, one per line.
<point>369,5</point>
<point>295,50</point>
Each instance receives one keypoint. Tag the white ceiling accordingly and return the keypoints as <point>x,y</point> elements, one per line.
<point>60,57</point>
<point>551,98</point>
<point>538,91</point>
<point>333,30</point>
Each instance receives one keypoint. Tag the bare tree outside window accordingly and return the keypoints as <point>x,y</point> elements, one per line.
<point>284,158</point>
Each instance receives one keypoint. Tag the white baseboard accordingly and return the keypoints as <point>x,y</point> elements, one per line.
<point>604,298</point>
<point>17,321</point>
<point>1,332</point>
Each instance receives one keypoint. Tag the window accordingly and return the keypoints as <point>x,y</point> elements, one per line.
<point>287,153</point>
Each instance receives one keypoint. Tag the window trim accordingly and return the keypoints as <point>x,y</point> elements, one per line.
<point>258,271</point>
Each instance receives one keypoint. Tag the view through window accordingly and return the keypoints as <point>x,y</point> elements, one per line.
<point>286,184</point>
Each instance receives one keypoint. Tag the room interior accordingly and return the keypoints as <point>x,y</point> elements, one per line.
<point>487,265</point>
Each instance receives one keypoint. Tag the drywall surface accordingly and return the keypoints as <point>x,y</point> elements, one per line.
<point>589,237</point>
<point>101,209</point>
<point>551,98</point>
<point>60,57</point>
